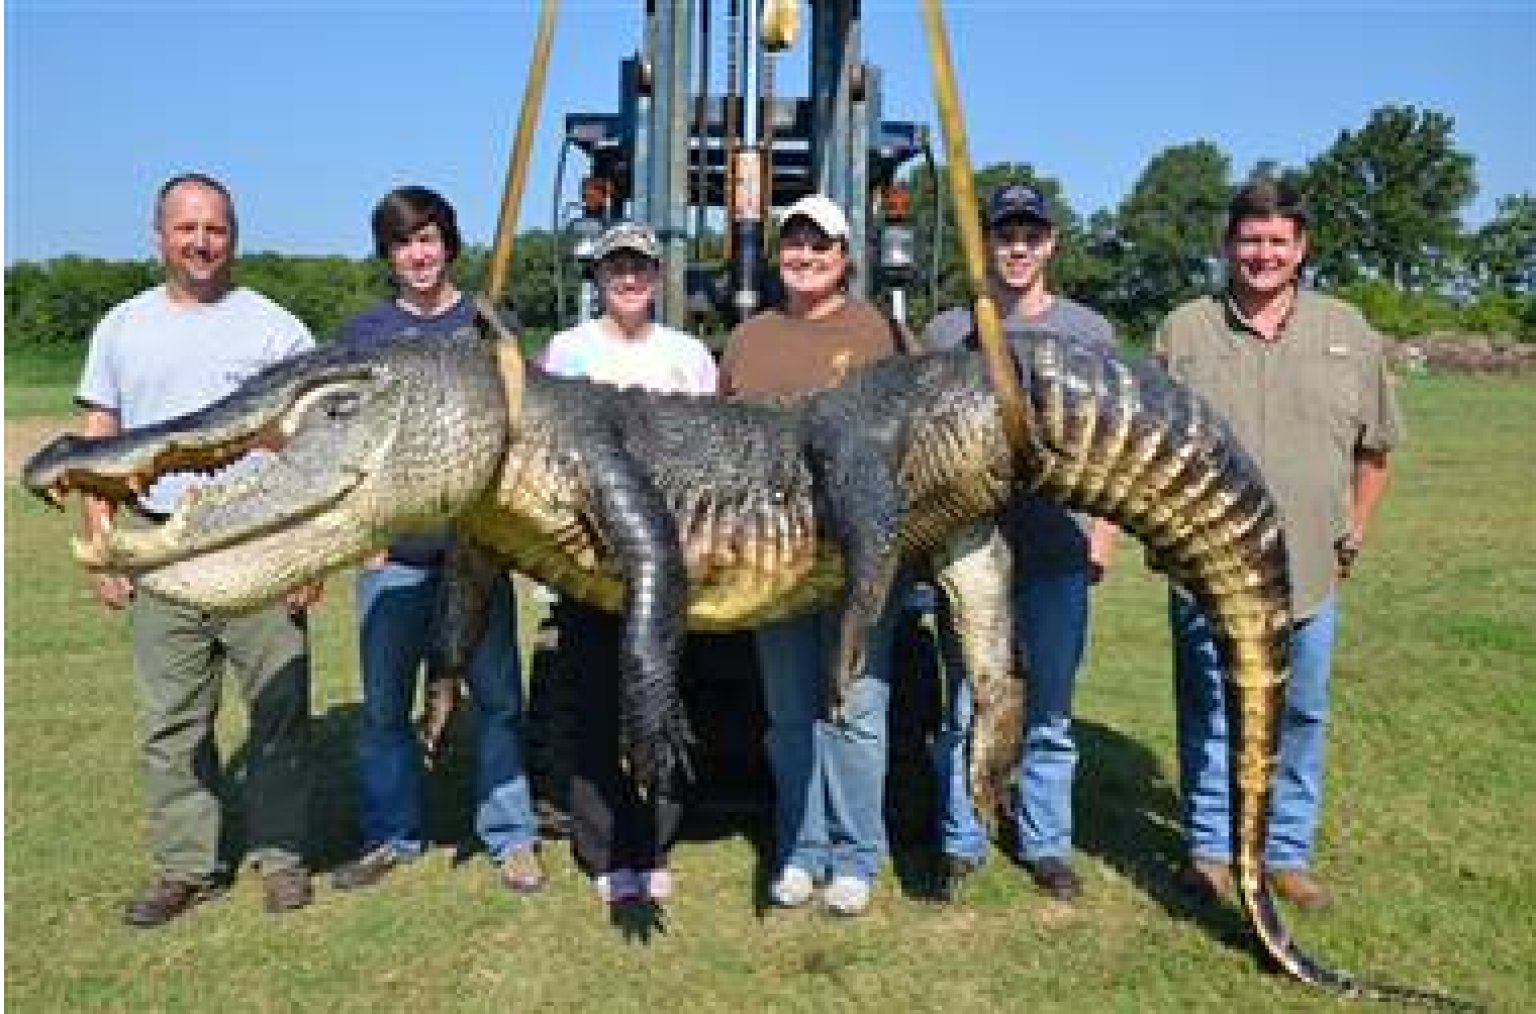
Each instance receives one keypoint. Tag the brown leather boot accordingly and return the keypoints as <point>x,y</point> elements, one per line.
<point>1207,880</point>
<point>286,889</point>
<point>167,898</point>
<point>1301,888</point>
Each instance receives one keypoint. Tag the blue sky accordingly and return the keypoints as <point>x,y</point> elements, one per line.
<point>312,110</point>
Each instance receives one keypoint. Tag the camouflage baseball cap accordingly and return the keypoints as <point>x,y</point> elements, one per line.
<point>627,236</point>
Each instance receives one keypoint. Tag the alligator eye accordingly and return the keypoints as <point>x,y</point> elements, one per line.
<point>341,406</point>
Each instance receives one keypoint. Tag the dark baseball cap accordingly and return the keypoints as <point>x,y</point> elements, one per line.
<point>1017,200</point>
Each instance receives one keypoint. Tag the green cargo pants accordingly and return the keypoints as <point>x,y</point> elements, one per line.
<point>179,656</point>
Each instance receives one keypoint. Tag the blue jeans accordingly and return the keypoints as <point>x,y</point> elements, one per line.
<point>1204,747</point>
<point>396,607</point>
<point>829,778</point>
<point>1050,629</point>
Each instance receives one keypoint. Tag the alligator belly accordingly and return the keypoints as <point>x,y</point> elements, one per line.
<point>738,598</point>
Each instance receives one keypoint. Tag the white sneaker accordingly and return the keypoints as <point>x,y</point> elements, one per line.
<point>793,888</point>
<point>847,895</point>
<point>657,883</point>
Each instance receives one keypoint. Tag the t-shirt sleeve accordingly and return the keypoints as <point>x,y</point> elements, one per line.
<point>947,331</point>
<point>706,375</point>
<point>98,386</point>
<point>559,356</point>
<point>725,382</point>
<point>292,335</point>
<point>353,331</point>
<point>1102,332</point>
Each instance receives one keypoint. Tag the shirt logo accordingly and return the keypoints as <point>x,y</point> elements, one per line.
<point>842,359</point>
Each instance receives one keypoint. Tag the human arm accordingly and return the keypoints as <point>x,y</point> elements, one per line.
<point>1101,548</point>
<point>1368,484</point>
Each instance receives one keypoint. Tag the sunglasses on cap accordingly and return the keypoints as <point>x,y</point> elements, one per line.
<point>812,239</point>
<point>626,263</point>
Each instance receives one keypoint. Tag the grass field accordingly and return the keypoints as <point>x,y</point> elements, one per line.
<point>1427,832</point>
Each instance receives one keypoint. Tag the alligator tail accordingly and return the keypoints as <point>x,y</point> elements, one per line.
<point>1123,443</point>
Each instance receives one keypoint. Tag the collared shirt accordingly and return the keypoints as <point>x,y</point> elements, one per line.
<point>1301,405</point>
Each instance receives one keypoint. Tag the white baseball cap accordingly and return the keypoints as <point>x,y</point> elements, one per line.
<point>823,213</point>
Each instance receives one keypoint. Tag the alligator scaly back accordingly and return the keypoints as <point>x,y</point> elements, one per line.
<point>1122,442</point>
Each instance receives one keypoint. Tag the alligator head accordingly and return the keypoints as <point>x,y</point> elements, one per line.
<point>342,451</point>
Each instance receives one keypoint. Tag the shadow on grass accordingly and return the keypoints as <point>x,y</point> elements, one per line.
<point>1127,813</point>
<point>1127,808</point>
<point>335,830</point>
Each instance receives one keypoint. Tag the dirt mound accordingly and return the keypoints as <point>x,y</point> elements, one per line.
<point>1461,353</point>
<point>23,436</point>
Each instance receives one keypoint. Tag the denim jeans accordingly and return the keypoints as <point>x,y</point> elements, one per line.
<point>829,777</point>
<point>396,603</point>
<point>1204,747</point>
<point>1050,629</point>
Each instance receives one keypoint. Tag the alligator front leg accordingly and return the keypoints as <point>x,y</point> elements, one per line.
<point>974,570</point>
<point>462,611</point>
<point>863,507</point>
<point>634,521</point>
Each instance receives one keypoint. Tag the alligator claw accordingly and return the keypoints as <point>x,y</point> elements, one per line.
<point>442,701</point>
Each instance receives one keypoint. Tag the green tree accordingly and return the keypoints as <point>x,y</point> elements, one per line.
<point>1503,252</point>
<point>60,301</point>
<point>1169,233</point>
<point>1385,200</point>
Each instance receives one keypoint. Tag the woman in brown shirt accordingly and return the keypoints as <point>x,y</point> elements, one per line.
<point>829,778</point>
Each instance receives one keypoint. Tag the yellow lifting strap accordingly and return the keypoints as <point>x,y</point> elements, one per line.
<point>962,190</point>
<point>517,166</point>
<point>780,24</point>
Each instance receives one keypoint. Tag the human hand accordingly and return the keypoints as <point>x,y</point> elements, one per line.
<point>114,591</point>
<point>304,597</point>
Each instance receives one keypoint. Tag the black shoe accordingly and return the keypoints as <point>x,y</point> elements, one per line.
<point>286,890</point>
<point>365,872</point>
<point>167,898</point>
<point>1053,876</point>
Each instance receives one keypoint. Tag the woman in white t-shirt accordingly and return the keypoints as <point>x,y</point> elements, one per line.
<point>620,840</point>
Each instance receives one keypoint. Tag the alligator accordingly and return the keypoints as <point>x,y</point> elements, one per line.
<point>696,512</point>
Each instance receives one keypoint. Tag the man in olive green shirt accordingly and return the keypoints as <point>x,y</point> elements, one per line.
<point>1302,379</point>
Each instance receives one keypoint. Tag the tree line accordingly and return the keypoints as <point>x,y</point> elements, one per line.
<point>1386,202</point>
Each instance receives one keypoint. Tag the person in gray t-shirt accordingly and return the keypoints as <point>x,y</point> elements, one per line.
<point>1057,556</point>
<point>165,352</point>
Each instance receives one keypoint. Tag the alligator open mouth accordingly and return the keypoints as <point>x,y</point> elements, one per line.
<point>278,461</point>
